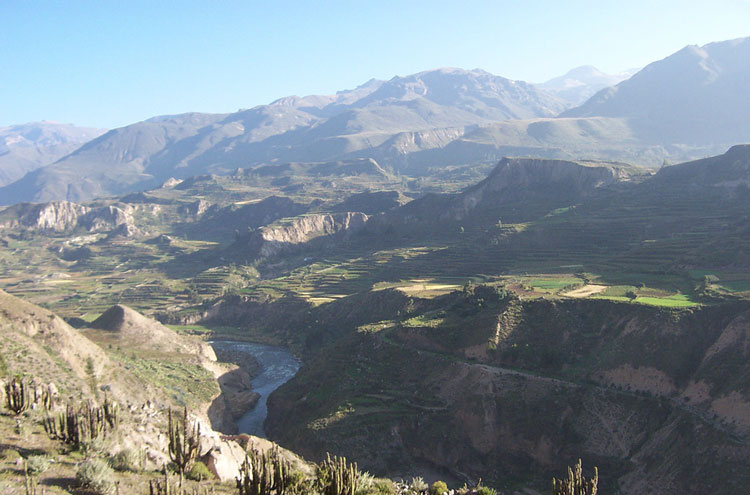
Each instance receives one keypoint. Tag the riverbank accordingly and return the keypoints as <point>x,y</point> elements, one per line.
<point>268,367</point>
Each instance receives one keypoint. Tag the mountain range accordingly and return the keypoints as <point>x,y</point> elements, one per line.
<point>698,95</point>
<point>26,147</point>
<point>689,105</point>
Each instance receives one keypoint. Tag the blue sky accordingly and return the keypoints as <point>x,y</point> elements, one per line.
<point>110,63</point>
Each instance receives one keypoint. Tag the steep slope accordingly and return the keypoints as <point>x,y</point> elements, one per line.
<point>26,147</point>
<point>39,342</point>
<point>481,384</point>
<point>579,84</point>
<point>315,128</point>
<point>126,328</point>
<point>698,95</point>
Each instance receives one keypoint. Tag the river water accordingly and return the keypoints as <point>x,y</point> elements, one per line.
<point>277,366</point>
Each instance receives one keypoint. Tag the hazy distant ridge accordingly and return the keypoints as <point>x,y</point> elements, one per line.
<point>699,95</point>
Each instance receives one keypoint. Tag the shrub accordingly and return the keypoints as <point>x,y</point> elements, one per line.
<point>438,488</point>
<point>383,487</point>
<point>96,475</point>
<point>93,447</point>
<point>418,485</point>
<point>485,490</point>
<point>38,464</point>
<point>199,472</point>
<point>365,483</point>
<point>128,460</point>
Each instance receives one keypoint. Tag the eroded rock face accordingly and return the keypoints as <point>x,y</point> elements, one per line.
<point>54,216</point>
<point>64,216</point>
<point>269,241</point>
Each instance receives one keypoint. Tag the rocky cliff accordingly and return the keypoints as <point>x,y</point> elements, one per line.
<point>64,216</point>
<point>271,240</point>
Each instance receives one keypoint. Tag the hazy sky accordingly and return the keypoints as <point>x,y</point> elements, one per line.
<point>109,63</point>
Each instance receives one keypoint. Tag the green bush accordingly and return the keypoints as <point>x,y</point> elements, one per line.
<point>485,490</point>
<point>438,488</point>
<point>38,464</point>
<point>199,472</point>
<point>128,460</point>
<point>96,475</point>
<point>383,487</point>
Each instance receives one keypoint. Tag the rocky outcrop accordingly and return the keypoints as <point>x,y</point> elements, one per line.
<point>196,208</point>
<point>64,216</point>
<point>272,240</point>
<point>55,216</point>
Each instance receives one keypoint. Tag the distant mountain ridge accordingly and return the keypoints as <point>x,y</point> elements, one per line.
<point>26,147</point>
<point>311,128</point>
<point>698,95</point>
<point>692,104</point>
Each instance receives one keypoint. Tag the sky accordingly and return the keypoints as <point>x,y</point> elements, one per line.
<point>108,63</point>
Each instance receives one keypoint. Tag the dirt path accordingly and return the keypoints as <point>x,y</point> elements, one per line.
<point>586,291</point>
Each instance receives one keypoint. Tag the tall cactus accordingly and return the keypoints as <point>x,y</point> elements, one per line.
<point>337,477</point>
<point>184,442</point>
<point>576,484</point>
<point>75,426</point>
<point>264,472</point>
<point>17,397</point>
<point>111,412</point>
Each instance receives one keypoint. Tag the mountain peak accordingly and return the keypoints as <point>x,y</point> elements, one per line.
<point>581,83</point>
<point>697,95</point>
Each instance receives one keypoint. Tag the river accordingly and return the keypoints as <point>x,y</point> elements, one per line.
<point>277,366</point>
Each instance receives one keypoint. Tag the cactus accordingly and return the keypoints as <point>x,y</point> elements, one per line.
<point>87,423</point>
<point>111,412</point>
<point>263,472</point>
<point>17,397</point>
<point>184,442</point>
<point>29,483</point>
<point>576,484</point>
<point>336,477</point>
<point>48,398</point>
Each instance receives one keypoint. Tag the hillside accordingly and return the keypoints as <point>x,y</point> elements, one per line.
<point>609,300</point>
<point>695,96</point>
<point>142,365</point>
<point>449,388</point>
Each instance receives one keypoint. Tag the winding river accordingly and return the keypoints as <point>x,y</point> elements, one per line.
<point>277,366</point>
